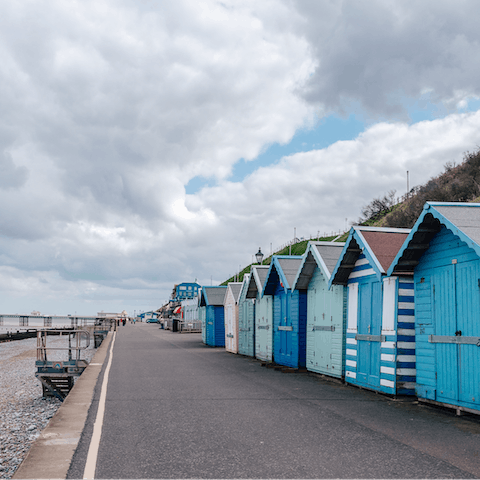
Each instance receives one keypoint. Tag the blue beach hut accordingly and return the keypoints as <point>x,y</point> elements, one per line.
<point>212,299</point>
<point>289,311</point>
<point>380,339</point>
<point>326,309</point>
<point>263,313</point>
<point>246,321</point>
<point>443,253</point>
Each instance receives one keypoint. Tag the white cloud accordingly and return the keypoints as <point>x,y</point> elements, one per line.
<point>110,108</point>
<point>316,190</point>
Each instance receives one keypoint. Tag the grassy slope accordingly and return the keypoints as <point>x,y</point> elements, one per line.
<point>457,183</point>
<point>297,249</point>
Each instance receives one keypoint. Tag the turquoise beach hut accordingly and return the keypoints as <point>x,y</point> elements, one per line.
<point>380,339</point>
<point>289,311</point>
<point>212,299</point>
<point>443,253</point>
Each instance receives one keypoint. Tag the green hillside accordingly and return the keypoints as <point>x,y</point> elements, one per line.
<point>296,249</point>
<point>458,183</point>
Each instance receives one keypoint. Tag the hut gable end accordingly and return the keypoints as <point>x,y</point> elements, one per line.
<point>321,255</point>
<point>462,219</point>
<point>371,249</point>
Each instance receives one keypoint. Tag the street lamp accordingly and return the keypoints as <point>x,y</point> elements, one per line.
<point>259,256</point>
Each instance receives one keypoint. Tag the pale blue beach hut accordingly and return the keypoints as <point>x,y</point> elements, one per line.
<point>246,321</point>
<point>263,313</point>
<point>326,309</point>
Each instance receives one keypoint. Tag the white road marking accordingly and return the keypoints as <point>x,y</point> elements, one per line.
<point>91,463</point>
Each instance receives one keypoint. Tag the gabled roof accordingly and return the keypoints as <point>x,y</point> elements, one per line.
<point>257,280</point>
<point>235,288</point>
<point>463,219</point>
<point>246,281</point>
<point>212,296</point>
<point>378,244</point>
<point>323,255</point>
<point>283,269</point>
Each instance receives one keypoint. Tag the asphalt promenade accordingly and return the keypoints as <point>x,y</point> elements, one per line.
<point>176,408</point>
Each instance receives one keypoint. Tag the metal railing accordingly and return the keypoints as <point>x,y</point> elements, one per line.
<point>42,347</point>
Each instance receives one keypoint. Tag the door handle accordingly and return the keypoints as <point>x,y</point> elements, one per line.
<point>458,333</point>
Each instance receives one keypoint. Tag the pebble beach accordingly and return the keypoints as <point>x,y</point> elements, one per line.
<point>24,413</point>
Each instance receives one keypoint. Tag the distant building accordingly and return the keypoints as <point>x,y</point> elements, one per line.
<point>112,315</point>
<point>186,290</point>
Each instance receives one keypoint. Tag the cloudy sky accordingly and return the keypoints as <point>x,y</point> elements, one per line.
<point>148,142</point>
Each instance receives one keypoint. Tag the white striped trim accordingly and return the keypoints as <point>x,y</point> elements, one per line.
<point>351,341</point>
<point>351,363</point>
<point>387,383</point>
<point>406,305</point>
<point>361,261</point>
<point>405,292</point>
<point>351,374</point>
<point>409,345</point>
<point>404,331</point>
<point>406,318</point>
<point>388,332</point>
<point>387,357</point>
<point>411,372</point>
<point>362,273</point>
<point>349,351</point>
<point>406,358</point>
<point>388,370</point>
<point>409,385</point>
<point>388,344</point>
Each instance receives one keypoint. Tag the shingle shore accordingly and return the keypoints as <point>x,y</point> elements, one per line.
<point>23,411</point>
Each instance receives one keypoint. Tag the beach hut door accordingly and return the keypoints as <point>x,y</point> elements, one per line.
<point>456,295</point>
<point>369,330</point>
<point>229,328</point>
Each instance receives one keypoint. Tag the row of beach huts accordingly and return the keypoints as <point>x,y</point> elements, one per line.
<point>392,310</point>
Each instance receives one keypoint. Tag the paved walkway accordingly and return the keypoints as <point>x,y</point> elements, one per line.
<point>176,408</point>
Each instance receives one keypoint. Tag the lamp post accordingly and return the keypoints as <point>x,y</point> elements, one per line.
<point>259,256</point>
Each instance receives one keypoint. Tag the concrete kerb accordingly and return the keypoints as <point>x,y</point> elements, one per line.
<point>51,454</point>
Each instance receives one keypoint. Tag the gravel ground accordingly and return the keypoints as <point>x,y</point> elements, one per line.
<point>24,413</point>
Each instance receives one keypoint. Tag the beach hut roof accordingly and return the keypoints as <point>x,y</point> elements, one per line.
<point>212,296</point>
<point>323,255</point>
<point>256,280</point>
<point>379,245</point>
<point>283,269</point>
<point>235,288</point>
<point>246,281</point>
<point>463,219</point>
